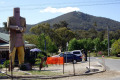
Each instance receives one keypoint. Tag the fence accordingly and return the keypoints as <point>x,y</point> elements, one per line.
<point>55,60</point>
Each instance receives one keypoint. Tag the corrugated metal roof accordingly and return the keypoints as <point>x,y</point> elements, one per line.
<point>4,37</point>
<point>7,45</point>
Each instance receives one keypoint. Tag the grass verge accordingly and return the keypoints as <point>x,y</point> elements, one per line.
<point>47,73</point>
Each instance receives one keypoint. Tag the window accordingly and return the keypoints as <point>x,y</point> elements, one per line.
<point>76,52</point>
<point>61,55</point>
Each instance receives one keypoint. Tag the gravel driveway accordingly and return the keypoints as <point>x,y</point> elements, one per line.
<point>79,68</point>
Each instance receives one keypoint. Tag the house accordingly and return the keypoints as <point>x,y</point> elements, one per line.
<point>4,47</point>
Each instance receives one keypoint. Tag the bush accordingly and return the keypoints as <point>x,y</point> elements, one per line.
<point>6,63</point>
<point>1,66</point>
<point>25,67</point>
<point>116,47</point>
<point>38,59</point>
<point>31,60</point>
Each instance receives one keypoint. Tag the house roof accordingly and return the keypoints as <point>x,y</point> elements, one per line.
<point>4,37</point>
<point>5,46</point>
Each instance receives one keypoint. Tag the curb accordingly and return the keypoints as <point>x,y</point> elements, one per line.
<point>53,77</point>
<point>49,77</point>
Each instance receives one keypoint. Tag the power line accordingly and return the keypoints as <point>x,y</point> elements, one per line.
<point>58,5</point>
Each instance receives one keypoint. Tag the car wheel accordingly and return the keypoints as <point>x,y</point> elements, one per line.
<point>74,61</point>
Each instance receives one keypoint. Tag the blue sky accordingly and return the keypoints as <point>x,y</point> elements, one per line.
<point>36,11</point>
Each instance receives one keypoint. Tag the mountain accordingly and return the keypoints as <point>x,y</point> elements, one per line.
<point>79,20</point>
<point>28,28</point>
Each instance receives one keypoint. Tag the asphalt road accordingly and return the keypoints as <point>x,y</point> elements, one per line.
<point>112,73</point>
<point>111,64</point>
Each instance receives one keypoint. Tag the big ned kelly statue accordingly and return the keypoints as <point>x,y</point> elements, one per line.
<point>16,25</point>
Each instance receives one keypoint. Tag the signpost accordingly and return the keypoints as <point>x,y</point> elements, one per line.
<point>63,63</point>
<point>103,60</point>
<point>73,66</point>
<point>89,60</point>
<point>66,51</point>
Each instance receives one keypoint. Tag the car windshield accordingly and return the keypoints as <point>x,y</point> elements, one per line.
<point>69,55</point>
<point>67,52</point>
<point>61,54</point>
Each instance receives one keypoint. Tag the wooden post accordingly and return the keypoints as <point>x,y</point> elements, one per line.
<point>63,63</point>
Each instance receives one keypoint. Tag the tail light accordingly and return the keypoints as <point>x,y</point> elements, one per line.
<point>80,56</point>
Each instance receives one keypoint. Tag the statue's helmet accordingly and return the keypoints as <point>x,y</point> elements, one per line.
<point>16,12</point>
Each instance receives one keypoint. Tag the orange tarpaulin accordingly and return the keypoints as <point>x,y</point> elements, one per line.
<point>54,60</point>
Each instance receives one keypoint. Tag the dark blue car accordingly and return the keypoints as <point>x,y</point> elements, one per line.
<point>71,58</point>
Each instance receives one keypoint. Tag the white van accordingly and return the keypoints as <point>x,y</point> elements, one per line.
<point>77,52</point>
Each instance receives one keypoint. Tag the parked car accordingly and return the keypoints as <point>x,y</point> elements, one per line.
<point>77,52</point>
<point>70,57</point>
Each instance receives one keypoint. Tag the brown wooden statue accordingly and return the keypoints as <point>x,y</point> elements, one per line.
<point>17,26</point>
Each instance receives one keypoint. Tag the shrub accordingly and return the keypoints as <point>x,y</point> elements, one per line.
<point>116,47</point>
<point>25,66</point>
<point>1,66</point>
<point>6,63</point>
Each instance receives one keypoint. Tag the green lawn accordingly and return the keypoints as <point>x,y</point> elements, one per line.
<point>48,73</point>
<point>93,54</point>
<point>2,74</point>
<point>112,57</point>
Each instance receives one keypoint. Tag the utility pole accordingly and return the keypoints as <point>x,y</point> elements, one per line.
<point>108,40</point>
<point>66,51</point>
<point>89,60</point>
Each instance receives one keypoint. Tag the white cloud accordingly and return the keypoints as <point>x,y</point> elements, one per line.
<point>60,10</point>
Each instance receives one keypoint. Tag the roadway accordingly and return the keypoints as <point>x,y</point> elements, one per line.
<point>111,64</point>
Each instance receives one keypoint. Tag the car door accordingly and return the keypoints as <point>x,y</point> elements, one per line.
<point>69,57</point>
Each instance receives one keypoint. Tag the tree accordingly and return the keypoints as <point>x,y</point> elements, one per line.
<point>60,25</point>
<point>63,24</point>
<point>31,38</point>
<point>112,41</point>
<point>93,33</point>
<point>97,44</point>
<point>41,42</point>
<point>104,45</point>
<point>49,45</point>
<point>116,47</point>
<point>5,27</point>
<point>85,44</point>
<point>89,45</point>
<point>65,34</point>
<point>73,45</point>
<point>56,26</point>
<point>41,28</point>
<point>45,28</point>
<point>101,35</point>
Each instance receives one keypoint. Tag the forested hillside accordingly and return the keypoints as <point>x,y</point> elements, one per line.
<point>79,20</point>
